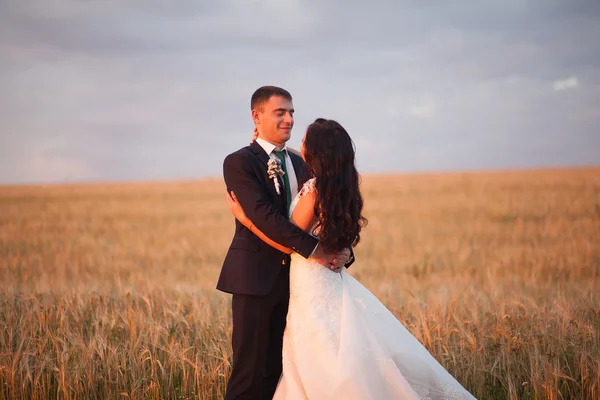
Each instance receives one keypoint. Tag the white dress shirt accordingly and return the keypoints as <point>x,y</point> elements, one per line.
<point>289,166</point>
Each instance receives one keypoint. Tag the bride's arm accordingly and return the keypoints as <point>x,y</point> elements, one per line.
<point>302,217</point>
<point>304,212</point>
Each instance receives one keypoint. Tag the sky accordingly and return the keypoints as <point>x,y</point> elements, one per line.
<point>137,90</point>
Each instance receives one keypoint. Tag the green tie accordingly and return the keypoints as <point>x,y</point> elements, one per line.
<point>286,180</point>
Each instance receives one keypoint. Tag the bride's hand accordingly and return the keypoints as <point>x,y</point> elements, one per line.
<point>327,260</point>
<point>237,210</point>
<point>342,258</point>
<point>255,136</point>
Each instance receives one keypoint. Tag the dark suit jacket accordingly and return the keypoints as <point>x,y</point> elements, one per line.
<point>251,266</point>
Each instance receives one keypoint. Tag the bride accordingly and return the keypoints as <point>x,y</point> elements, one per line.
<point>340,341</point>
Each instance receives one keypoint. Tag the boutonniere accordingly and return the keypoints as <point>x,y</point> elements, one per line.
<point>274,169</point>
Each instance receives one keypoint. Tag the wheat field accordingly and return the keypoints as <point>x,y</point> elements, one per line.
<point>108,289</point>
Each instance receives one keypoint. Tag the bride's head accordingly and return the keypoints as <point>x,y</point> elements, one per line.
<point>329,153</point>
<point>326,144</point>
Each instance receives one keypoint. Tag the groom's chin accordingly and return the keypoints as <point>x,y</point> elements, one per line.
<point>286,133</point>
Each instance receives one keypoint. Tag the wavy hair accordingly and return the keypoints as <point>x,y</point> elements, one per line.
<point>329,153</point>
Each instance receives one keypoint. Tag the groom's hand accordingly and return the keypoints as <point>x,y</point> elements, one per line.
<point>334,262</point>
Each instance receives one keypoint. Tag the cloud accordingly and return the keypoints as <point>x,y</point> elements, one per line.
<point>566,84</point>
<point>424,109</point>
<point>146,89</point>
<point>48,168</point>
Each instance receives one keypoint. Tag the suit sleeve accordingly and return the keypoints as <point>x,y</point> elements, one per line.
<point>241,179</point>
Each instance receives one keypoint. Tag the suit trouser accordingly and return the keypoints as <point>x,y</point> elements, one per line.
<point>257,340</point>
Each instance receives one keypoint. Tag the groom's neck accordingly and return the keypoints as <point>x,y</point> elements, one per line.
<point>278,145</point>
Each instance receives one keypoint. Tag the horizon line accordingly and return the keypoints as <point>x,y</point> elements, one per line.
<point>99,182</point>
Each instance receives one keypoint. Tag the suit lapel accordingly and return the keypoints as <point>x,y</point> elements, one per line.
<point>260,152</point>
<point>264,158</point>
<point>300,169</point>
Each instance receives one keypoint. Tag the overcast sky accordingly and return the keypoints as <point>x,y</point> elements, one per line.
<point>101,90</point>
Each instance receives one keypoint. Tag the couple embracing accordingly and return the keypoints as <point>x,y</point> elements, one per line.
<point>303,327</point>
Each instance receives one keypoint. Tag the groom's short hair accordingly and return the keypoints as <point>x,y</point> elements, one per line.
<point>264,93</point>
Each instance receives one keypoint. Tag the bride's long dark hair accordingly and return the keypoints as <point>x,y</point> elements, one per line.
<point>329,153</point>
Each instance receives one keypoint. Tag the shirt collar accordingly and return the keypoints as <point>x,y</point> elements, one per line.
<point>268,147</point>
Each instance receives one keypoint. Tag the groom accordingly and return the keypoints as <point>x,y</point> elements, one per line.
<point>255,273</point>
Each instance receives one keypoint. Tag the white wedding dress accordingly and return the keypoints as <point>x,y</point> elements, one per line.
<point>341,342</point>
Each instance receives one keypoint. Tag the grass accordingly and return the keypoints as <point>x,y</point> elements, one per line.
<point>108,290</point>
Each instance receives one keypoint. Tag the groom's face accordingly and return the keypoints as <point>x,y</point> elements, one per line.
<point>275,120</point>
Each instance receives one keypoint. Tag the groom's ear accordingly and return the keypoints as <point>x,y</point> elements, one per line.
<point>255,116</point>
